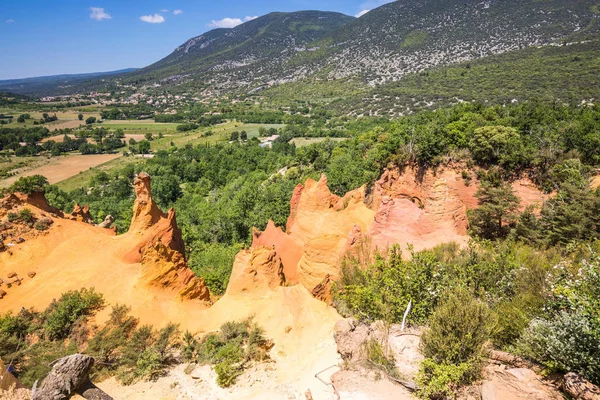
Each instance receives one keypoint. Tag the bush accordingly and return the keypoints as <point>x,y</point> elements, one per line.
<point>378,357</point>
<point>453,344</point>
<point>229,351</point>
<point>26,215</point>
<point>42,225</point>
<point>12,216</point>
<point>30,184</point>
<point>62,314</point>
<point>384,289</point>
<point>459,328</point>
<point>569,342</point>
<point>440,381</point>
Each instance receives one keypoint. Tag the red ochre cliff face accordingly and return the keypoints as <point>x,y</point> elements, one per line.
<point>405,208</point>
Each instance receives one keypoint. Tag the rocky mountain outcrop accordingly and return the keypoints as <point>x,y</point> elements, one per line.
<point>382,46</point>
<point>72,253</point>
<point>166,269</point>
<point>409,206</point>
<point>150,224</point>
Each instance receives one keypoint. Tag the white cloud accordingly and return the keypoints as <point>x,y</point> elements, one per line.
<point>10,21</point>
<point>177,12</point>
<point>229,22</point>
<point>225,23</point>
<point>164,10</point>
<point>368,5</point>
<point>153,19</point>
<point>371,4</point>
<point>99,14</point>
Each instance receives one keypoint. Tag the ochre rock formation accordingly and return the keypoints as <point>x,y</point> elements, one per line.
<point>82,214</point>
<point>150,224</point>
<point>166,269</point>
<point>149,260</point>
<point>255,270</point>
<point>423,208</point>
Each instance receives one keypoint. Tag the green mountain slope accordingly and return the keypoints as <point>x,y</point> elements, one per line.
<point>253,51</point>
<point>564,73</point>
<point>385,45</point>
<point>409,36</point>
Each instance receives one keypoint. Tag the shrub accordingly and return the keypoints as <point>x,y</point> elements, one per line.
<point>384,289</point>
<point>190,345</point>
<point>570,342</point>
<point>26,215</point>
<point>453,344</point>
<point>227,372</point>
<point>440,381</point>
<point>64,312</point>
<point>30,184</point>
<point>12,216</point>
<point>42,225</point>
<point>229,351</point>
<point>459,328</point>
<point>378,357</point>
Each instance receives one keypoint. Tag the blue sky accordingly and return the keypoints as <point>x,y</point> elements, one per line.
<point>49,37</point>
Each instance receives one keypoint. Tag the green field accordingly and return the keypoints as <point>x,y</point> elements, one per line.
<point>221,132</point>
<point>301,142</point>
<point>141,127</point>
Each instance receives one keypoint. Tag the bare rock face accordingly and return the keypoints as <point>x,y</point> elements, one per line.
<point>579,388</point>
<point>107,223</point>
<point>150,223</point>
<point>323,291</point>
<point>515,384</point>
<point>69,376</point>
<point>82,214</point>
<point>166,269</point>
<point>408,206</point>
<point>259,268</point>
<point>145,211</point>
<point>13,200</point>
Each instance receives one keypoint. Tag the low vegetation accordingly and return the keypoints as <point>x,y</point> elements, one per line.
<point>234,348</point>
<point>30,340</point>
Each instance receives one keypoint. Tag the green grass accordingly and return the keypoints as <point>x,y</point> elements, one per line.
<point>140,127</point>
<point>301,142</point>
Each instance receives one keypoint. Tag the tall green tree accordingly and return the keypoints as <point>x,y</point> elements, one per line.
<point>497,210</point>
